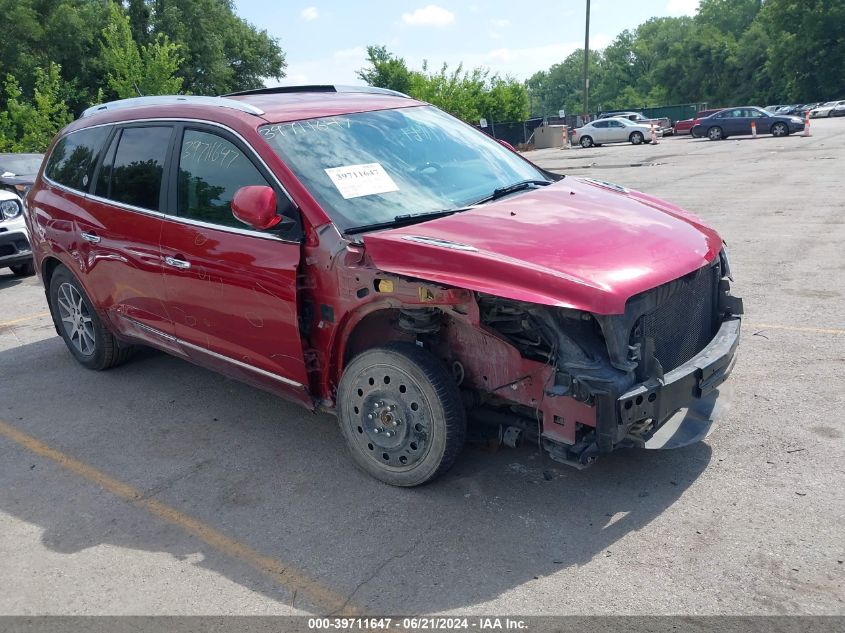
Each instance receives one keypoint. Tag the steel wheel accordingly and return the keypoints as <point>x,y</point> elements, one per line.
<point>636,138</point>
<point>714,133</point>
<point>586,142</point>
<point>780,129</point>
<point>76,319</point>
<point>401,414</point>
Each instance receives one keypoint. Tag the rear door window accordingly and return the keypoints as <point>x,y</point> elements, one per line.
<point>133,166</point>
<point>73,159</point>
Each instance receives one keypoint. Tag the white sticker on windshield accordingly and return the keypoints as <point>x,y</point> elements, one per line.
<point>354,181</point>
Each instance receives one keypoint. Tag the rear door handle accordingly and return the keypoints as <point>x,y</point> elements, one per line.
<point>177,263</point>
<point>91,237</point>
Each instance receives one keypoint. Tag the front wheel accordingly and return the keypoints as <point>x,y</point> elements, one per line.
<point>84,334</point>
<point>401,414</point>
<point>780,129</point>
<point>586,142</point>
<point>636,138</point>
<point>715,133</point>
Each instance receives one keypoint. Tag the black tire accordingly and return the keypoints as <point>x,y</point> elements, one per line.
<point>27,269</point>
<point>586,142</point>
<point>636,138</point>
<point>401,391</point>
<point>95,347</point>
<point>780,129</point>
<point>715,133</point>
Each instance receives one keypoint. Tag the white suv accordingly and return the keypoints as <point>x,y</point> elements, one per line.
<point>15,251</point>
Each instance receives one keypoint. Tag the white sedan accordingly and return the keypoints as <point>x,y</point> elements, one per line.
<point>825,109</point>
<point>615,130</point>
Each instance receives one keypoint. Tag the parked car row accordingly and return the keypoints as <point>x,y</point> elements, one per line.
<point>829,109</point>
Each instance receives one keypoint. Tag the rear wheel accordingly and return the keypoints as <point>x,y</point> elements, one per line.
<point>90,343</point>
<point>715,133</point>
<point>636,138</point>
<point>780,129</point>
<point>401,414</point>
<point>27,269</point>
<point>586,142</point>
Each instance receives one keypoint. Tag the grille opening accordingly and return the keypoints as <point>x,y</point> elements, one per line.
<point>685,322</point>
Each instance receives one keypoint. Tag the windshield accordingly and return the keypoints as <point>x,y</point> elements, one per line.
<point>370,167</point>
<point>20,164</point>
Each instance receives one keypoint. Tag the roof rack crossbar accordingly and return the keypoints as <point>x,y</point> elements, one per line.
<point>222,102</point>
<point>317,88</point>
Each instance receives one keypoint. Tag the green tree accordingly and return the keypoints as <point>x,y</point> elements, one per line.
<point>466,94</point>
<point>806,54</point>
<point>132,69</point>
<point>385,70</point>
<point>222,52</point>
<point>30,125</point>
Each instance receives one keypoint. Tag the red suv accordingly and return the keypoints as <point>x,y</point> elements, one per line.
<point>368,255</point>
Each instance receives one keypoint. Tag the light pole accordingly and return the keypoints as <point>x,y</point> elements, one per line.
<point>586,64</point>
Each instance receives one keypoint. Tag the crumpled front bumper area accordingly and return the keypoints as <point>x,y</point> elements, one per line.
<point>681,408</point>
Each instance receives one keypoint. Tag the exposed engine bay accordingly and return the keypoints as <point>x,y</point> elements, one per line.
<point>559,376</point>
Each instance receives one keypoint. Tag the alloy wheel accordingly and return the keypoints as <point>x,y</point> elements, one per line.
<point>76,319</point>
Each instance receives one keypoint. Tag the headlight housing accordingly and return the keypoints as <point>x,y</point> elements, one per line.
<point>10,209</point>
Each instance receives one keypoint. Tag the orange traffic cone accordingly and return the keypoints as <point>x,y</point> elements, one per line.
<point>653,135</point>
<point>807,124</point>
<point>566,143</point>
<point>753,129</point>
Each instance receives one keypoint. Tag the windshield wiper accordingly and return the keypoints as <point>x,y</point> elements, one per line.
<point>500,192</point>
<point>404,220</point>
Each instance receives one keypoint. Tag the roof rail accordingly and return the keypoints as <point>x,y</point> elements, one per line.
<point>174,100</point>
<point>317,88</point>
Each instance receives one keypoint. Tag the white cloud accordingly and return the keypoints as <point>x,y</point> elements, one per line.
<point>494,35</point>
<point>309,14</point>
<point>358,53</point>
<point>431,15</point>
<point>500,23</point>
<point>682,7</point>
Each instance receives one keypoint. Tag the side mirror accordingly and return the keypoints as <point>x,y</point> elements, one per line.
<point>255,206</point>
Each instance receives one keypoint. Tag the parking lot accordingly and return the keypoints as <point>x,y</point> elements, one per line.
<point>159,487</point>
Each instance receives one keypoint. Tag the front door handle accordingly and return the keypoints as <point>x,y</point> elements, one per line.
<point>177,263</point>
<point>91,237</point>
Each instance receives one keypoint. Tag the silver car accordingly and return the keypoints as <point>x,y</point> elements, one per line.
<point>613,130</point>
<point>15,251</point>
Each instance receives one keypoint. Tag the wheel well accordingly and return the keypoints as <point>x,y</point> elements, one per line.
<point>48,267</point>
<point>377,328</point>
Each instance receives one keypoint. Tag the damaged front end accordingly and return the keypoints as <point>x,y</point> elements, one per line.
<point>585,384</point>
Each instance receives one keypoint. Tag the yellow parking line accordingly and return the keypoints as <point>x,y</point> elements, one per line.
<point>795,328</point>
<point>28,317</point>
<point>288,577</point>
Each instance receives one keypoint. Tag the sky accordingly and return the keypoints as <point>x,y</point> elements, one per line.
<point>325,41</point>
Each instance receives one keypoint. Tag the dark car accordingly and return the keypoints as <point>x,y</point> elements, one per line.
<point>737,122</point>
<point>18,171</point>
<point>368,255</point>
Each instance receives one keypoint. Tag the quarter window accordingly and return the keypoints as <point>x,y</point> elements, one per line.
<point>73,159</point>
<point>133,167</point>
<point>211,170</point>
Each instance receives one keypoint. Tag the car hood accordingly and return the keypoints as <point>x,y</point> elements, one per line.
<point>578,243</point>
